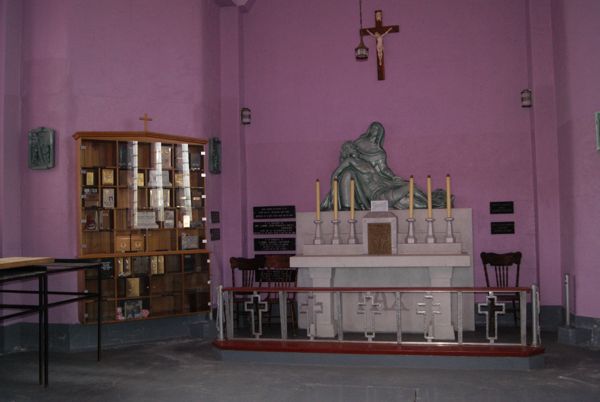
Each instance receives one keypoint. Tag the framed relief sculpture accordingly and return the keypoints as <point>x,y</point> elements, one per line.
<point>41,148</point>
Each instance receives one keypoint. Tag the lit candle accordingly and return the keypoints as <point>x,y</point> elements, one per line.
<point>318,192</point>
<point>411,197</point>
<point>448,197</point>
<point>335,199</point>
<point>351,198</point>
<point>429,212</point>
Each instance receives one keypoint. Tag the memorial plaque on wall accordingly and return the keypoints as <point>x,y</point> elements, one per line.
<point>275,244</point>
<point>279,227</point>
<point>275,212</point>
<point>502,207</point>
<point>503,228</point>
<point>215,234</point>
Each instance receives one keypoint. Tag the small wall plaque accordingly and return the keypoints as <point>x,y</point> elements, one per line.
<point>275,212</point>
<point>41,148</point>
<point>502,207</point>
<point>503,228</point>
<point>215,234</point>
<point>279,227</point>
<point>214,155</point>
<point>215,217</point>
<point>597,131</point>
<point>275,244</point>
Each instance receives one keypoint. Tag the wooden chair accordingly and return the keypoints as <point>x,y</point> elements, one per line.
<point>506,268</point>
<point>247,268</point>
<point>278,274</point>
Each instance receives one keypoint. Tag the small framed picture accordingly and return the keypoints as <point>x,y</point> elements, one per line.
<point>132,309</point>
<point>140,179</point>
<point>89,178</point>
<point>108,177</point>
<point>108,198</point>
<point>597,131</point>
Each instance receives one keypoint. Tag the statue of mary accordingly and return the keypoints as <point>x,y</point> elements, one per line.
<point>365,161</point>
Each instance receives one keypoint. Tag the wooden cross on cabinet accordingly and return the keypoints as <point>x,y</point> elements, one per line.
<point>378,32</point>
<point>145,119</point>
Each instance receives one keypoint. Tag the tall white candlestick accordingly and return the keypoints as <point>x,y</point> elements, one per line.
<point>411,197</point>
<point>335,200</point>
<point>429,212</point>
<point>318,193</point>
<point>448,197</point>
<point>352,199</point>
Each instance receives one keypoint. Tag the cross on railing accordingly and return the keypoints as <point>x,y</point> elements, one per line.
<point>491,310</point>
<point>428,316</point>
<point>311,315</point>
<point>255,306</point>
<point>369,308</point>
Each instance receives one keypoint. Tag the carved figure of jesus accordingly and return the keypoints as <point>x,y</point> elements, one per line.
<point>379,44</point>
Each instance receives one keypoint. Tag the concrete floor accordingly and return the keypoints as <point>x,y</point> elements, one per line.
<point>187,370</point>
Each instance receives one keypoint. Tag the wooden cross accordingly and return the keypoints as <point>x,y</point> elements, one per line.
<point>145,119</point>
<point>378,32</point>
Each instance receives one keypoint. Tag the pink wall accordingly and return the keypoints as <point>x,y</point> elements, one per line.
<point>450,103</point>
<point>576,33</point>
<point>10,128</point>
<point>99,66</point>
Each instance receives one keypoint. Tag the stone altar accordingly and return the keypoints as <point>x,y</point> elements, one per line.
<point>412,265</point>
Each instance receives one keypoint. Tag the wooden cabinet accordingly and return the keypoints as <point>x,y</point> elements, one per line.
<point>141,211</point>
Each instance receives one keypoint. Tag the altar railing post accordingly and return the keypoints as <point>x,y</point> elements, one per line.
<point>535,310</point>
<point>220,312</point>
<point>229,315</point>
<point>523,316</point>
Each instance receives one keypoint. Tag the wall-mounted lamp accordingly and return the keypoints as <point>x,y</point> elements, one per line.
<point>361,52</point>
<point>245,115</point>
<point>526,98</point>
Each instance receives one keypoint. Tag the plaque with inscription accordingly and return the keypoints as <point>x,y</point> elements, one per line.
<point>380,238</point>
<point>502,207</point>
<point>280,227</point>
<point>215,234</point>
<point>275,212</point>
<point>503,228</point>
<point>275,244</point>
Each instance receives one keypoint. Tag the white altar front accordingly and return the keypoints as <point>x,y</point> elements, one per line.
<point>413,265</point>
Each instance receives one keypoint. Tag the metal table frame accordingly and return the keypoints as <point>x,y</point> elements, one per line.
<point>41,272</point>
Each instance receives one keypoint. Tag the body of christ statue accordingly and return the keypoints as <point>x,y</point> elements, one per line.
<point>378,32</point>
<point>365,161</point>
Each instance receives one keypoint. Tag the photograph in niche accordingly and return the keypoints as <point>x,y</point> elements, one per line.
<point>132,309</point>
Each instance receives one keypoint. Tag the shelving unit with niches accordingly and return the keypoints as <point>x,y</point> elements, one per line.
<point>142,213</point>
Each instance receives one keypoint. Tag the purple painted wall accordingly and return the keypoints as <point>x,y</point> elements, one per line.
<point>99,66</point>
<point>450,104</point>
<point>10,127</point>
<point>576,33</point>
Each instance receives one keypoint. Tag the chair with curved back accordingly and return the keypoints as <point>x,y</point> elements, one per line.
<point>245,269</point>
<point>502,271</point>
<point>278,274</point>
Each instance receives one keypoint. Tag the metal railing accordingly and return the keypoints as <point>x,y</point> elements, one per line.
<point>364,303</point>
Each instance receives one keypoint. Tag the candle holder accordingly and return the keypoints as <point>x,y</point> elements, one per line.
<point>317,239</point>
<point>410,237</point>
<point>449,232</point>
<point>336,231</point>
<point>352,238</point>
<point>429,239</point>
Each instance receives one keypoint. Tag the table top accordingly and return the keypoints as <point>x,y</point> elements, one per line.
<point>18,262</point>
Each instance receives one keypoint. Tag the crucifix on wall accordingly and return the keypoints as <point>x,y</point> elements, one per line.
<point>378,32</point>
